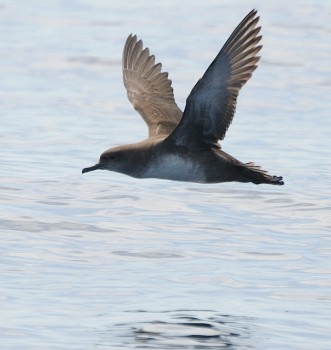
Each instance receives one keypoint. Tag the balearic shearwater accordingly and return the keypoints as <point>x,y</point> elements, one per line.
<point>184,146</point>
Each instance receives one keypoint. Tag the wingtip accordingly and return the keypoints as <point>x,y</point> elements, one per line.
<point>131,37</point>
<point>252,15</point>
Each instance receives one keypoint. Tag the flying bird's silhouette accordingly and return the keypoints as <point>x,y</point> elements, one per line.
<point>184,146</point>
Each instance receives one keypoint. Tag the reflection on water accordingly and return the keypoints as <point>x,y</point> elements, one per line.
<point>234,265</point>
<point>187,329</point>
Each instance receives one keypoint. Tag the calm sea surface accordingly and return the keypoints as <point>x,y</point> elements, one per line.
<point>104,261</point>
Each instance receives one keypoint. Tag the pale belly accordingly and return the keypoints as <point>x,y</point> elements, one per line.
<point>173,167</point>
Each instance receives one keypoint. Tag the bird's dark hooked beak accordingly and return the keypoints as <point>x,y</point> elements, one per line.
<point>91,168</point>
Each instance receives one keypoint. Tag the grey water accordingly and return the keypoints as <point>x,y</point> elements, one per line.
<point>104,261</point>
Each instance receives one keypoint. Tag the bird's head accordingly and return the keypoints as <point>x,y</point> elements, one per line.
<point>122,159</point>
<point>113,159</point>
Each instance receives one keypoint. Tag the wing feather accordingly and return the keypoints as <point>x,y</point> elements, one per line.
<point>211,105</point>
<point>148,89</point>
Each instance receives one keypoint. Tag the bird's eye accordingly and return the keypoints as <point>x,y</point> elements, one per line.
<point>107,158</point>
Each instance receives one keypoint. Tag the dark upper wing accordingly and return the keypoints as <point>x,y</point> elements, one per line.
<point>212,102</point>
<point>148,89</point>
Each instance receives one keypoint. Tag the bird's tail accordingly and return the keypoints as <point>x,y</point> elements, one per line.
<point>254,173</point>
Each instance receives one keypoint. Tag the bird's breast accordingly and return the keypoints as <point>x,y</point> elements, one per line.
<point>174,167</point>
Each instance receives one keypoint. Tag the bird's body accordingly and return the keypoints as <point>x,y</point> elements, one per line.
<point>184,146</point>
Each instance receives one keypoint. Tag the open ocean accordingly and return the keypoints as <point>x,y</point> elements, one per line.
<point>105,261</point>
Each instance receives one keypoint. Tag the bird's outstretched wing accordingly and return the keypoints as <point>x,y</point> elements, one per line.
<point>211,105</point>
<point>148,89</point>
